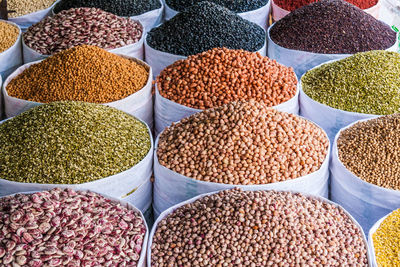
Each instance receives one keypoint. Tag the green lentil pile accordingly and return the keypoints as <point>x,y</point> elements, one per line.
<point>8,35</point>
<point>70,143</point>
<point>367,82</point>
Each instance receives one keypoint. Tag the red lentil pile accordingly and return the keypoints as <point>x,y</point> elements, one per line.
<point>291,5</point>
<point>219,76</point>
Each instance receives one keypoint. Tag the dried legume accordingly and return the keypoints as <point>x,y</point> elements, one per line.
<point>68,228</point>
<point>243,143</point>
<point>24,7</point>
<point>370,150</point>
<point>237,6</point>
<point>124,8</point>
<point>70,143</point>
<point>332,27</point>
<point>365,83</point>
<point>79,26</point>
<point>261,228</point>
<point>205,26</point>
<point>222,75</point>
<point>291,5</point>
<point>8,35</point>
<point>83,73</point>
<point>387,239</point>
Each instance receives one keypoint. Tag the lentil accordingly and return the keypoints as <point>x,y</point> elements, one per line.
<point>123,8</point>
<point>370,150</point>
<point>215,26</point>
<point>83,73</point>
<point>237,6</point>
<point>70,143</point>
<point>332,27</point>
<point>243,143</point>
<point>8,35</point>
<point>386,241</point>
<point>261,228</point>
<point>222,75</point>
<point>291,5</point>
<point>64,227</point>
<point>365,83</point>
<point>79,26</point>
<point>24,7</point>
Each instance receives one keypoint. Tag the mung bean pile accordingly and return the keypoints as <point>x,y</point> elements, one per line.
<point>8,35</point>
<point>370,150</point>
<point>386,241</point>
<point>222,75</point>
<point>260,228</point>
<point>123,8</point>
<point>83,73</point>
<point>332,27</point>
<point>215,26</point>
<point>70,143</point>
<point>68,228</point>
<point>291,5</point>
<point>237,6</point>
<point>78,26</point>
<point>24,7</point>
<point>243,143</point>
<point>365,83</point>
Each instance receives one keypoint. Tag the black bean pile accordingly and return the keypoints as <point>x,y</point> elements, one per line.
<point>237,6</point>
<point>332,27</point>
<point>123,8</point>
<point>205,26</point>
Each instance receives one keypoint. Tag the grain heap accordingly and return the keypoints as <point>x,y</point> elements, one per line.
<point>291,5</point>
<point>24,7</point>
<point>237,6</point>
<point>8,35</point>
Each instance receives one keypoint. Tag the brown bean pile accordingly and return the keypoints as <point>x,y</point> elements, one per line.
<point>219,76</point>
<point>371,150</point>
<point>83,73</point>
<point>78,26</point>
<point>8,35</point>
<point>68,228</point>
<point>260,228</point>
<point>243,143</point>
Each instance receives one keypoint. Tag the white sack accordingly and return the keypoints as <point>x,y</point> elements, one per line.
<point>12,57</point>
<point>166,111</point>
<point>173,208</point>
<point>365,202</point>
<point>371,248</point>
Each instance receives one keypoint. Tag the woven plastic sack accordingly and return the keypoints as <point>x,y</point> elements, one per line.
<point>167,111</point>
<point>173,208</point>
<point>366,202</point>
<point>171,187</point>
<point>139,104</point>
<point>12,57</point>
<point>371,248</point>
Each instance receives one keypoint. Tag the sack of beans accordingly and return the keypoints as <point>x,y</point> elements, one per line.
<point>28,13</point>
<point>80,146</point>
<point>257,228</point>
<point>63,227</point>
<point>64,30</point>
<point>334,94</point>
<point>240,144</point>
<point>281,8</point>
<point>365,178</point>
<point>148,12</point>
<point>217,77</point>
<point>10,48</point>
<point>256,11</point>
<point>199,28</point>
<point>82,73</point>
<point>326,30</point>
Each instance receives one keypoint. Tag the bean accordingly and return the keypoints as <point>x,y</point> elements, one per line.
<point>291,5</point>
<point>24,7</point>
<point>8,35</point>
<point>238,6</point>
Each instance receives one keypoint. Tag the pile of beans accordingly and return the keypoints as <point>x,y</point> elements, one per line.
<point>215,26</point>
<point>386,241</point>
<point>260,228</point>
<point>243,143</point>
<point>70,143</point>
<point>291,5</point>
<point>332,27</point>
<point>365,83</point>
<point>68,228</point>
<point>83,73</point>
<point>24,7</point>
<point>222,75</point>
<point>237,6</point>
<point>79,26</point>
<point>123,8</point>
<point>369,150</point>
<point>8,35</point>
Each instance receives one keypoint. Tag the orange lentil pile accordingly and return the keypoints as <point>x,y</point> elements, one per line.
<point>83,73</point>
<point>219,76</point>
